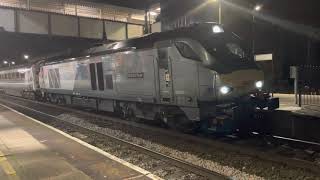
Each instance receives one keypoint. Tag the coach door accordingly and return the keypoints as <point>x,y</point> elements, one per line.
<point>165,78</point>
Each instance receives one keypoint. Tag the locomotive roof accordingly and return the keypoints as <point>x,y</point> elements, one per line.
<point>195,31</point>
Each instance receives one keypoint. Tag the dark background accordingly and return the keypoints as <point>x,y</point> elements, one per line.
<point>290,29</point>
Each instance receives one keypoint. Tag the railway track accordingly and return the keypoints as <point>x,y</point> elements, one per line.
<point>188,167</point>
<point>242,149</point>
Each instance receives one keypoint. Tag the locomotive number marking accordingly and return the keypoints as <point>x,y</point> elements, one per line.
<point>135,75</point>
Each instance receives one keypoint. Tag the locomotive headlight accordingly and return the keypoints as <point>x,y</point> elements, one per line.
<point>225,90</point>
<point>217,29</point>
<point>259,84</point>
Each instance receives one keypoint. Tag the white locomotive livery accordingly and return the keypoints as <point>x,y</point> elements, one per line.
<point>197,76</point>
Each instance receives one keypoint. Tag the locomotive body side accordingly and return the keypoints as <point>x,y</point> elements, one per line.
<point>196,77</point>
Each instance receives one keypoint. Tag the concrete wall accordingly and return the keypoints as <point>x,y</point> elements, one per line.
<point>156,27</point>
<point>115,30</point>
<point>91,28</point>
<point>7,20</point>
<point>134,30</point>
<point>64,25</point>
<point>32,22</point>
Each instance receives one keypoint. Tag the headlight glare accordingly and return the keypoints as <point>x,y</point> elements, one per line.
<point>259,84</point>
<point>217,29</point>
<point>225,90</point>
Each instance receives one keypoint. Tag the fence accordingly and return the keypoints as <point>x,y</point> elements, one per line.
<point>307,85</point>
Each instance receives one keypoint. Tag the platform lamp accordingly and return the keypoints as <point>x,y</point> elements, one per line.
<point>256,8</point>
<point>9,63</point>
<point>219,9</point>
<point>26,56</point>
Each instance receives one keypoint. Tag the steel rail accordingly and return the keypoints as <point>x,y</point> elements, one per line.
<point>269,156</point>
<point>171,160</point>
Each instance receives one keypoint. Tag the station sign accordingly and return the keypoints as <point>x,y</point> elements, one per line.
<point>263,57</point>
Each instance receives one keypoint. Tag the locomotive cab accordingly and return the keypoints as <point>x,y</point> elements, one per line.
<point>214,78</point>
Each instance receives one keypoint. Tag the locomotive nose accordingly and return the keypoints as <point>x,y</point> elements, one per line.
<point>242,82</point>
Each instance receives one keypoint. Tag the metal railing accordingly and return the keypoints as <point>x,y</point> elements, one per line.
<point>307,85</point>
<point>308,95</point>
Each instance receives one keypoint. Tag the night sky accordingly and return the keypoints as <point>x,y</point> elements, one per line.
<point>299,11</point>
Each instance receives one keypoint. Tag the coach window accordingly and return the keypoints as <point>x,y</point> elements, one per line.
<point>100,76</point>
<point>93,76</point>
<point>186,51</point>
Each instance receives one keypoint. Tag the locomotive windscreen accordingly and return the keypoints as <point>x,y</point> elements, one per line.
<point>229,51</point>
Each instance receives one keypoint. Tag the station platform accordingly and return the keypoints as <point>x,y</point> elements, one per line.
<point>32,150</point>
<point>287,103</point>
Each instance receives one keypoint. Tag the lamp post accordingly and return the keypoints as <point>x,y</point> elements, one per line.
<point>9,63</point>
<point>255,9</point>
<point>220,11</point>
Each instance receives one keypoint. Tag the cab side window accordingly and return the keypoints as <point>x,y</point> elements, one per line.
<point>186,51</point>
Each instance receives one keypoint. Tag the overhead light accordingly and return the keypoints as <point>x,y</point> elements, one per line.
<point>13,63</point>
<point>158,9</point>
<point>217,29</point>
<point>73,58</point>
<point>5,62</point>
<point>88,56</point>
<point>257,7</point>
<point>26,56</point>
<point>152,13</point>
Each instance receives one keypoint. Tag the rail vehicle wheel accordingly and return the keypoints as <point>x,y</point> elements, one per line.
<point>131,115</point>
<point>118,112</point>
<point>61,101</point>
<point>162,119</point>
<point>183,124</point>
<point>124,112</point>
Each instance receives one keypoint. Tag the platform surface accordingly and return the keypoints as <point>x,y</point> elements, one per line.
<point>287,103</point>
<point>29,150</point>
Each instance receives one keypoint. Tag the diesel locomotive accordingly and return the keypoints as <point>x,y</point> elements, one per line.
<point>189,78</point>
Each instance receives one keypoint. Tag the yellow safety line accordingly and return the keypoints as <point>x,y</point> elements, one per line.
<point>6,166</point>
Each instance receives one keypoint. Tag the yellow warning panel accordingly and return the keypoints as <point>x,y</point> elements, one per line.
<point>6,166</point>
